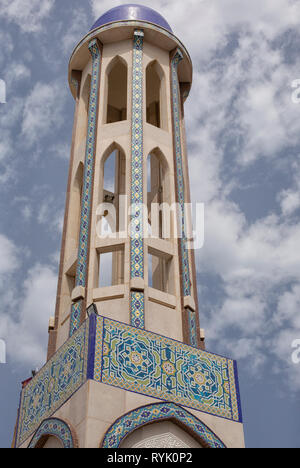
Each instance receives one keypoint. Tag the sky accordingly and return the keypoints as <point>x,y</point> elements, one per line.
<point>243,130</point>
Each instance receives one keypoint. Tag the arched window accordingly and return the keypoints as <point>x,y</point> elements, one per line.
<point>76,203</point>
<point>116,76</point>
<point>158,189</point>
<point>161,219</point>
<point>111,262</point>
<point>155,96</point>
<point>84,111</point>
<point>52,443</point>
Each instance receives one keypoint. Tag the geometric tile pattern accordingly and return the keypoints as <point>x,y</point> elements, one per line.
<point>81,272</point>
<point>137,183</point>
<point>179,171</point>
<point>54,427</point>
<point>152,365</point>
<point>192,329</point>
<point>75,316</point>
<point>54,384</point>
<point>135,360</point>
<point>154,413</point>
<point>137,309</point>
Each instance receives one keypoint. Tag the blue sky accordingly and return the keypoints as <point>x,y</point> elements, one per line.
<point>244,144</point>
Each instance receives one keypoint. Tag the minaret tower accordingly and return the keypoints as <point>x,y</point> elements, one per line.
<point>127,365</point>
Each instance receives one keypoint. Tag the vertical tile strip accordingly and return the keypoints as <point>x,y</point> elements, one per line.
<point>185,267</point>
<point>81,272</point>
<point>137,156</point>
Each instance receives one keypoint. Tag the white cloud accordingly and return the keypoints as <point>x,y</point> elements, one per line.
<point>49,216</point>
<point>16,72</point>
<point>43,111</point>
<point>290,201</point>
<point>25,306</point>
<point>25,328</point>
<point>27,14</point>
<point>79,27</point>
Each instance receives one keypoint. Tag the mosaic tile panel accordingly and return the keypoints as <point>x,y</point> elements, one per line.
<point>146,363</point>
<point>153,413</point>
<point>137,183</point>
<point>75,316</point>
<point>81,272</point>
<point>179,170</point>
<point>138,309</point>
<point>54,384</point>
<point>57,428</point>
<point>193,329</point>
<point>99,349</point>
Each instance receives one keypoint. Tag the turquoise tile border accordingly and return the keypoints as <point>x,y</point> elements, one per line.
<point>143,362</point>
<point>57,381</point>
<point>185,267</point>
<point>155,413</point>
<point>57,428</point>
<point>135,360</point>
<point>137,259</point>
<point>81,272</point>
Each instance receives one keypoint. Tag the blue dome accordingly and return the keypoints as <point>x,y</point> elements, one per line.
<point>132,12</point>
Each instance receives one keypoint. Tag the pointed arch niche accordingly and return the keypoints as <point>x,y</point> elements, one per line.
<point>156,99</point>
<point>161,220</point>
<point>84,109</point>
<point>127,432</point>
<point>112,186</point>
<point>158,192</point>
<point>116,91</point>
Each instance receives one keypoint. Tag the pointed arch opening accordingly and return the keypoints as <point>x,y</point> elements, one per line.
<point>111,222</point>
<point>117,80</point>
<point>54,433</point>
<point>141,417</point>
<point>161,220</point>
<point>156,111</point>
<point>158,194</point>
<point>76,203</point>
<point>84,108</point>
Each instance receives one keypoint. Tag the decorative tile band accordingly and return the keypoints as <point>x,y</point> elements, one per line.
<point>81,272</point>
<point>154,413</point>
<point>149,364</point>
<point>137,309</point>
<point>75,316</point>
<point>137,183</point>
<point>54,427</point>
<point>192,328</point>
<point>135,360</point>
<point>185,267</point>
<point>54,384</point>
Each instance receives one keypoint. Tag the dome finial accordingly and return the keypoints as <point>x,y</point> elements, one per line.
<point>132,12</point>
